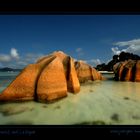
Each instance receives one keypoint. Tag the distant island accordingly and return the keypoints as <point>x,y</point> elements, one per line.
<point>117,58</point>
<point>6,69</point>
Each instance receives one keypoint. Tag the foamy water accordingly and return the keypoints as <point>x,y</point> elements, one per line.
<point>100,102</point>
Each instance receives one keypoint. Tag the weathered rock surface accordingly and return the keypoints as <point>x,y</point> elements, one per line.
<point>85,72</point>
<point>137,75</point>
<point>49,79</point>
<point>127,70</point>
<point>72,79</point>
<point>123,56</point>
<point>52,82</point>
<point>23,87</point>
<point>73,84</point>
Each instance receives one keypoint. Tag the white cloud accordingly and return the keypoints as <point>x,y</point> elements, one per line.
<point>132,46</point>
<point>116,50</point>
<point>22,63</point>
<point>14,53</point>
<point>4,58</point>
<point>8,58</point>
<point>32,57</point>
<point>94,62</point>
<point>128,43</point>
<point>13,59</point>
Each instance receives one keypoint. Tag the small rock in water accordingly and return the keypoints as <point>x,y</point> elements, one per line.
<point>126,98</point>
<point>44,106</point>
<point>57,107</point>
<point>115,117</point>
<point>136,117</point>
<point>91,90</point>
<point>12,111</point>
<point>31,109</point>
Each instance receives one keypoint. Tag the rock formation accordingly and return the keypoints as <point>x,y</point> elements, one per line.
<point>127,70</point>
<point>86,72</point>
<point>50,78</point>
<point>52,82</point>
<point>73,84</point>
<point>23,87</point>
<point>123,56</point>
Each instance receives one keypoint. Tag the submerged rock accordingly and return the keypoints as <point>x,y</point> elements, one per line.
<point>13,111</point>
<point>96,122</point>
<point>127,70</point>
<point>115,117</point>
<point>49,79</point>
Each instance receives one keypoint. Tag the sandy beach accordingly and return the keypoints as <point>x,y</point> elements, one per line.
<point>100,102</point>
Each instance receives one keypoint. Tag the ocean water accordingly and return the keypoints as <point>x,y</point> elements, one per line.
<point>100,102</point>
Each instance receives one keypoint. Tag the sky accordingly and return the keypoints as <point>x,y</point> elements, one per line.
<point>92,38</point>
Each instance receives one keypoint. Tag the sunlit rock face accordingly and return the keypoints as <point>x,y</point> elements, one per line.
<point>52,82</point>
<point>24,86</point>
<point>50,78</point>
<point>85,72</point>
<point>127,71</point>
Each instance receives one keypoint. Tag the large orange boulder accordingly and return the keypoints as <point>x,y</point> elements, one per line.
<point>23,87</point>
<point>50,78</point>
<point>61,55</point>
<point>64,59</point>
<point>73,84</point>
<point>85,72</point>
<point>52,82</point>
<point>127,71</point>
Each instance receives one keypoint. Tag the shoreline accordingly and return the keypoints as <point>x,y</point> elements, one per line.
<point>106,72</point>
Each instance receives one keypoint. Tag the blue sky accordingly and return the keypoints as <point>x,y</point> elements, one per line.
<point>93,38</point>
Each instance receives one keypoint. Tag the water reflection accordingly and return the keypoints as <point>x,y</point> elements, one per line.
<point>122,88</point>
<point>131,89</point>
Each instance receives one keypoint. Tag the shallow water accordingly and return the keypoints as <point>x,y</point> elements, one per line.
<point>6,78</point>
<point>99,102</point>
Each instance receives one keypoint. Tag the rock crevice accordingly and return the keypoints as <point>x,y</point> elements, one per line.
<point>127,70</point>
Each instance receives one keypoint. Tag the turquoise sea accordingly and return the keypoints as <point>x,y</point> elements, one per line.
<point>99,102</point>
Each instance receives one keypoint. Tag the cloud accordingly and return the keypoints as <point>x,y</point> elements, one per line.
<point>32,57</point>
<point>132,46</point>
<point>28,58</point>
<point>9,60</point>
<point>116,50</point>
<point>14,53</point>
<point>94,62</point>
<point>4,58</point>
<point>128,43</point>
<point>14,60</point>
<point>80,51</point>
